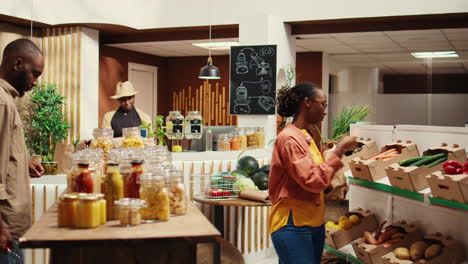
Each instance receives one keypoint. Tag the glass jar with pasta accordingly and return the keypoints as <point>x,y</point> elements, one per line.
<point>224,142</point>
<point>129,211</point>
<point>177,198</point>
<point>252,139</point>
<point>154,192</point>
<point>103,139</point>
<point>240,131</point>
<point>132,137</point>
<point>260,137</point>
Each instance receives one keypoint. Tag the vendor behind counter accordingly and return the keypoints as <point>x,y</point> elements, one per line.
<point>127,115</point>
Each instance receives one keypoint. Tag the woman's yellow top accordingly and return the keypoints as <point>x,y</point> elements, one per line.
<point>304,213</point>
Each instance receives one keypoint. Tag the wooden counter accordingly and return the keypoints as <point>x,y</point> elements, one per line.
<point>46,234</point>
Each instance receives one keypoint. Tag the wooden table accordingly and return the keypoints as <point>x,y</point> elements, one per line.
<point>219,211</point>
<point>46,234</point>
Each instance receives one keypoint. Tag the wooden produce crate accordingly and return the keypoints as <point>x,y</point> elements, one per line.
<point>449,187</point>
<point>338,238</point>
<point>368,149</point>
<point>414,178</point>
<point>372,254</point>
<point>452,252</point>
<point>373,170</point>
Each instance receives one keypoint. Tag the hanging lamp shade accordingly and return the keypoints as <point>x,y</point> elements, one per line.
<point>209,71</point>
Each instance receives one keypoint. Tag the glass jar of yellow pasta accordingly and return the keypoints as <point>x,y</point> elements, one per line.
<point>260,137</point>
<point>252,139</point>
<point>240,131</point>
<point>177,199</point>
<point>103,139</point>
<point>132,137</point>
<point>129,211</point>
<point>67,210</point>
<point>154,192</point>
<point>102,208</point>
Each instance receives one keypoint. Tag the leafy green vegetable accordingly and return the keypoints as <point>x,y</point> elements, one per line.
<point>349,115</point>
<point>158,130</point>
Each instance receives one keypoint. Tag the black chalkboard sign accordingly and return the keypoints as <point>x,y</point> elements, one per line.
<point>252,87</point>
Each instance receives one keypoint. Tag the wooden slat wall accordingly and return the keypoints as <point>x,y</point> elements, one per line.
<point>210,101</point>
<point>62,56</point>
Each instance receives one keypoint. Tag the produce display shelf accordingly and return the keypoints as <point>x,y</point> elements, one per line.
<point>343,255</point>
<point>408,194</point>
<point>449,204</point>
<point>388,189</point>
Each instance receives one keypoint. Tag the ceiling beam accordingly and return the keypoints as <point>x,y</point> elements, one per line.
<point>393,23</point>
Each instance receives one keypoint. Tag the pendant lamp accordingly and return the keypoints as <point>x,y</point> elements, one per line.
<point>209,71</point>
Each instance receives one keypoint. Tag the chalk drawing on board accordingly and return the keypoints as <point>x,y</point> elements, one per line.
<point>263,69</point>
<point>265,102</point>
<point>266,86</point>
<point>241,64</point>
<point>241,103</point>
<point>268,51</point>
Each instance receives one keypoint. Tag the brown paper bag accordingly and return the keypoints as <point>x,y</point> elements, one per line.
<point>63,156</point>
<point>259,196</point>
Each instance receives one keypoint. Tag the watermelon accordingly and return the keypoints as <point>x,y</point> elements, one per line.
<point>248,164</point>
<point>261,180</point>
<point>265,169</point>
<point>238,173</point>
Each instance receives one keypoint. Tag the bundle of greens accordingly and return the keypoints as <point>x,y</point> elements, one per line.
<point>349,115</point>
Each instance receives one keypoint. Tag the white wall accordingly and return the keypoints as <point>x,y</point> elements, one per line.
<point>177,13</point>
<point>89,90</point>
<point>361,86</point>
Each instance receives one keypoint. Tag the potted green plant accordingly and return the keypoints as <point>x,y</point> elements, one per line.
<point>156,130</point>
<point>290,76</point>
<point>46,125</point>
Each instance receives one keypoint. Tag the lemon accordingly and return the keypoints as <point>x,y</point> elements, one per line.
<point>330,224</point>
<point>176,148</point>
<point>342,218</point>
<point>340,225</point>
<point>355,220</point>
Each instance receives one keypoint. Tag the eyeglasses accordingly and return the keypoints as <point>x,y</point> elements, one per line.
<point>323,104</point>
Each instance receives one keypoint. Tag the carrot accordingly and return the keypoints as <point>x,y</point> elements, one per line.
<point>379,231</point>
<point>369,239</point>
<point>383,153</point>
<point>387,156</point>
<point>391,242</point>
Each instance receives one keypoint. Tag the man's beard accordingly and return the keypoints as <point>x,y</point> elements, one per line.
<point>23,85</point>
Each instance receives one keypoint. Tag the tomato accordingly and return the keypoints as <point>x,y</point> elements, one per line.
<point>453,163</point>
<point>449,169</point>
<point>466,165</point>
<point>459,171</point>
<point>83,183</point>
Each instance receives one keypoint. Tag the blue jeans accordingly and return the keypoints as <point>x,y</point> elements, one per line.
<point>12,258</point>
<point>299,244</point>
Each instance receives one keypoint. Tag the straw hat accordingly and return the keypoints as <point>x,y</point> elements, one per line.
<point>124,89</point>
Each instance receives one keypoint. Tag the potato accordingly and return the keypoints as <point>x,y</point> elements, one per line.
<point>402,253</point>
<point>422,261</point>
<point>417,250</point>
<point>432,251</point>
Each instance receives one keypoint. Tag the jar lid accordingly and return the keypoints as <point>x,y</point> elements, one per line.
<point>137,162</point>
<point>131,203</point>
<point>83,165</point>
<point>69,196</point>
<point>112,164</point>
<point>193,112</point>
<point>174,112</point>
<point>87,197</point>
<point>99,195</point>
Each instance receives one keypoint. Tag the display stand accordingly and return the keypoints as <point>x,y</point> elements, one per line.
<point>394,204</point>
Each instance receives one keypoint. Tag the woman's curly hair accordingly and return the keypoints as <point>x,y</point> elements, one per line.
<point>289,99</point>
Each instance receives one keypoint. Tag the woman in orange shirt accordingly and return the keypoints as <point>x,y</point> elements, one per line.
<point>299,175</point>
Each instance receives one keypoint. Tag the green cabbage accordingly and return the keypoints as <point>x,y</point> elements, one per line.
<point>244,184</point>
